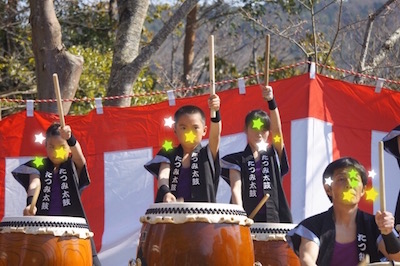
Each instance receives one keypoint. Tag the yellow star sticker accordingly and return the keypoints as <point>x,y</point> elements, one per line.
<point>353,183</point>
<point>371,194</point>
<point>167,145</point>
<point>347,195</point>
<point>353,173</point>
<point>190,136</point>
<point>257,123</point>
<point>61,153</point>
<point>277,139</point>
<point>38,162</point>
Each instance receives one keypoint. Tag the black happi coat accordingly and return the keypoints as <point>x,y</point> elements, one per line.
<point>206,185</point>
<point>321,229</point>
<point>277,208</point>
<point>70,193</point>
<point>67,174</point>
<point>391,146</point>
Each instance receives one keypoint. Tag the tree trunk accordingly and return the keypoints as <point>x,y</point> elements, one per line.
<point>190,37</point>
<point>52,57</point>
<point>126,62</point>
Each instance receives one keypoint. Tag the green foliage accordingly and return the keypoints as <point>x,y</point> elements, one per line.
<point>273,64</point>
<point>224,70</point>
<point>94,79</point>
<point>86,25</point>
<point>16,73</point>
<point>144,87</point>
<point>323,47</point>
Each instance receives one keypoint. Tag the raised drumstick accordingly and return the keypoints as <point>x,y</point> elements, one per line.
<point>382,178</point>
<point>212,69</point>
<point>259,205</point>
<point>59,102</point>
<point>266,67</point>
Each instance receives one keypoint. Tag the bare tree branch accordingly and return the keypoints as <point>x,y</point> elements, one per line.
<point>386,47</point>
<point>314,33</point>
<point>364,48</point>
<point>281,34</point>
<point>336,33</point>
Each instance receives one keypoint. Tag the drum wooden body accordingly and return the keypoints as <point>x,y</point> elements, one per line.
<point>195,234</point>
<point>270,246</point>
<point>45,240</point>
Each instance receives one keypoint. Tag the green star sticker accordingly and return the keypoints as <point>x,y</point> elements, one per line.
<point>353,173</point>
<point>353,182</point>
<point>38,162</point>
<point>257,123</point>
<point>167,145</point>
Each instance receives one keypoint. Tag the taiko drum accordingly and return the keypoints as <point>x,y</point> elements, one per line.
<point>45,240</point>
<point>270,246</point>
<point>195,234</point>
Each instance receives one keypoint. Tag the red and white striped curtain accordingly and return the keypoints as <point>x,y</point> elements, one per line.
<point>323,119</point>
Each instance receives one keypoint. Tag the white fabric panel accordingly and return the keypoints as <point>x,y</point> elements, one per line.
<point>229,144</point>
<point>128,193</point>
<point>15,194</point>
<point>313,139</point>
<point>392,174</point>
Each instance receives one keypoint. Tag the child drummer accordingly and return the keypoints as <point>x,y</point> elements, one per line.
<point>344,235</point>
<point>190,171</point>
<point>61,177</point>
<point>258,170</point>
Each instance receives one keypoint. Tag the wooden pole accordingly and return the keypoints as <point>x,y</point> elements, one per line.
<point>212,68</point>
<point>382,178</point>
<point>259,205</point>
<point>58,97</point>
<point>266,67</point>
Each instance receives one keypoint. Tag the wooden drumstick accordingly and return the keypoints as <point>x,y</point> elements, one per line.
<point>266,67</point>
<point>59,102</point>
<point>259,205</point>
<point>382,178</point>
<point>212,68</point>
<point>35,197</point>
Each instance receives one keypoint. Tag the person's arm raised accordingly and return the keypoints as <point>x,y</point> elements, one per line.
<point>276,126</point>
<point>77,154</point>
<point>215,126</point>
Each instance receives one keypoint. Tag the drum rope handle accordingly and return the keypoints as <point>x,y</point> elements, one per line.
<point>259,205</point>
